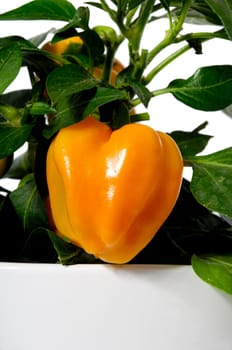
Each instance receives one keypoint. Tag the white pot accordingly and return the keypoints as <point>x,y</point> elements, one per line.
<point>107,307</point>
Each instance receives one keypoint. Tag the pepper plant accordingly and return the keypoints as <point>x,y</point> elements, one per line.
<point>69,86</point>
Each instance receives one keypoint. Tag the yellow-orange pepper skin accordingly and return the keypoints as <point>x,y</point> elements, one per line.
<point>110,191</point>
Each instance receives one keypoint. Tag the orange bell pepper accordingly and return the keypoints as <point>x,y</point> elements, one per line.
<point>110,191</point>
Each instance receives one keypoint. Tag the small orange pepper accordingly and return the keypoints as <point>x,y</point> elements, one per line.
<point>61,47</point>
<point>111,190</point>
<point>73,44</point>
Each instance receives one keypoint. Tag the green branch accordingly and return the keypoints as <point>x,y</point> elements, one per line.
<point>150,76</point>
<point>136,31</point>
<point>171,34</point>
<point>203,36</point>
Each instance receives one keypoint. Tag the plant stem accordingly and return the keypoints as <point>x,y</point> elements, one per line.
<point>155,93</point>
<point>164,63</point>
<point>171,34</point>
<point>203,36</point>
<point>130,16</point>
<point>115,16</point>
<point>109,58</point>
<point>107,9</point>
<point>135,32</point>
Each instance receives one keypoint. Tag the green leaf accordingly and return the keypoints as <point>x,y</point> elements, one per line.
<point>96,51</point>
<point>38,247</point>
<point>142,92</point>
<point>165,4</point>
<point>198,13</point>
<point>228,110</point>
<point>133,4</point>
<point>201,13</point>
<point>212,181</point>
<point>215,270</point>
<point>69,254</point>
<point>38,108</point>
<point>17,42</point>
<point>33,57</point>
<point>73,108</point>
<point>223,8</point>
<point>81,18</point>
<point>28,204</point>
<point>190,143</point>
<point>103,96</point>
<point>209,89</point>
<point>67,80</point>
<point>120,115</point>
<point>69,111</point>
<point>61,10</point>
<point>10,64</point>
<point>94,4</point>
<point>11,138</point>
<point>16,98</point>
